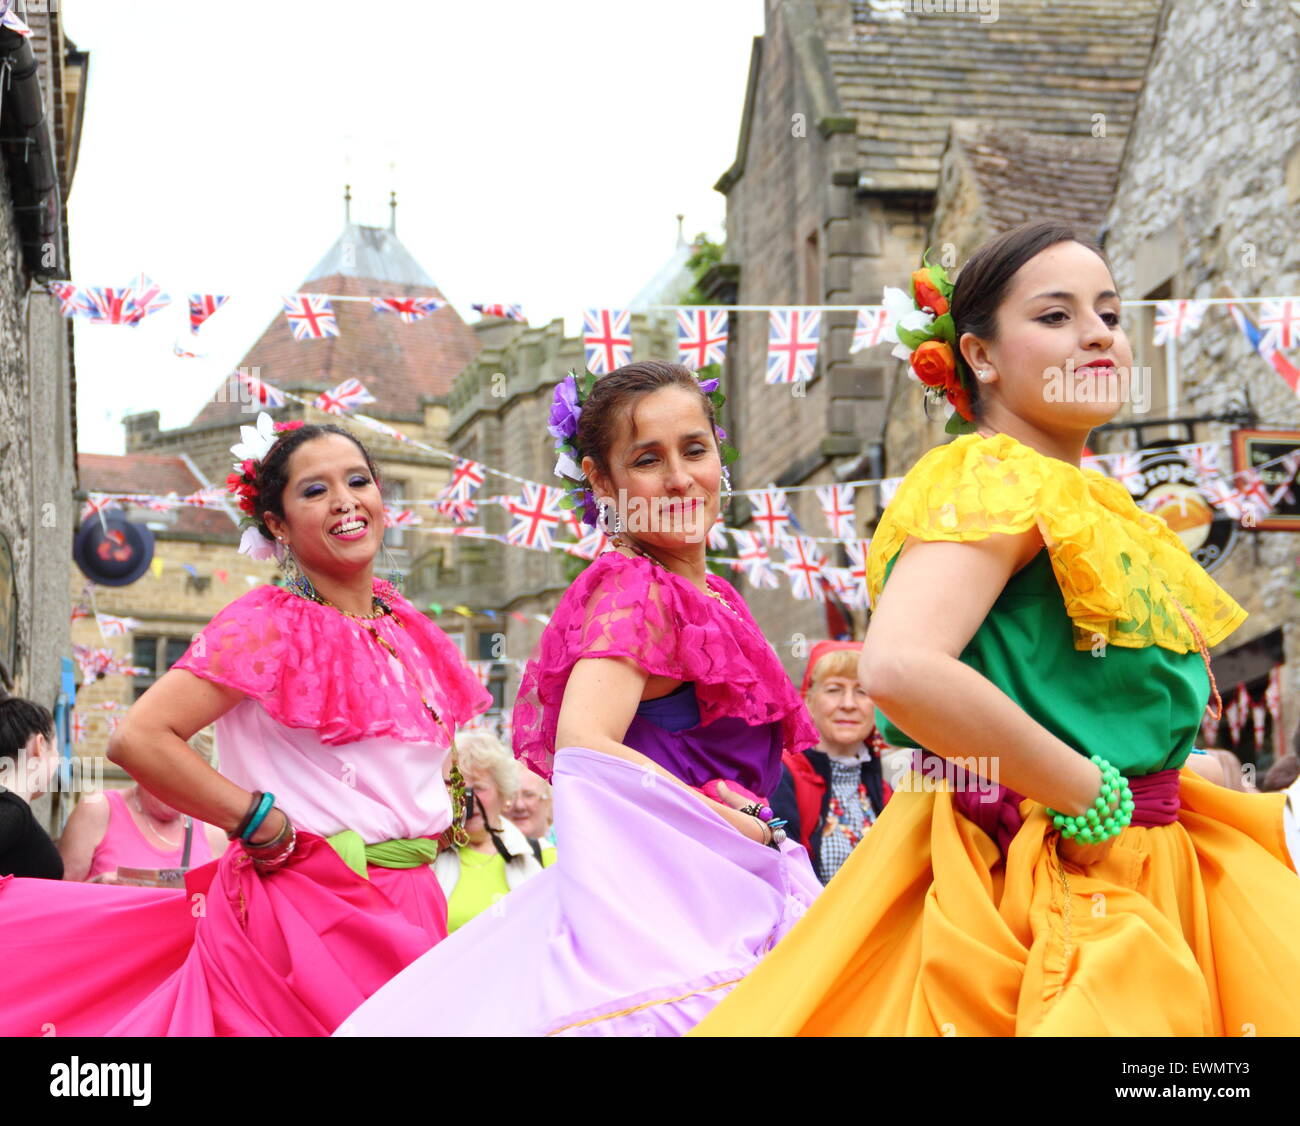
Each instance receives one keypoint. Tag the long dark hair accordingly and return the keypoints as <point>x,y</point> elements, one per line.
<point>273,471</point>
<point>984,280</point>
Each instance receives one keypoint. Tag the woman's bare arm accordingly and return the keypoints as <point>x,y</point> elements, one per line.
<point>938,594</point>
<point>82,835</point>
<point>600,702</point>
<point>151,746</point>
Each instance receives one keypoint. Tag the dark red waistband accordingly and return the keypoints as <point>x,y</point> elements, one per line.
<point>997,811</point>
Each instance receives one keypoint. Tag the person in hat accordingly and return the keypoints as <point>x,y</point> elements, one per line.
<point>832,793</point>
<point>335,703</point>
<point>660,711</point>
<point>1054,868</point>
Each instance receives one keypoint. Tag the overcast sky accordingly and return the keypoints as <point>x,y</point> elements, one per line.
<point>541,151</point>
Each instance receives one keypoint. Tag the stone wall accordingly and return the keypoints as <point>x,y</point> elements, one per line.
<point>1207,199</point>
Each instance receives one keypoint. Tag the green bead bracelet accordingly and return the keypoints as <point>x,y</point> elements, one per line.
<point>1107,817</point>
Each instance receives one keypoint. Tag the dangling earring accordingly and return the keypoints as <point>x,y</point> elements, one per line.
<point>294,576</point>
<point>602,520</point>
<point>395,576</point>
<point>456,785</point>
<point>726,487</point>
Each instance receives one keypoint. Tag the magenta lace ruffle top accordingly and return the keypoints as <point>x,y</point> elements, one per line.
<point>627,607</point>
<point>309,666</point>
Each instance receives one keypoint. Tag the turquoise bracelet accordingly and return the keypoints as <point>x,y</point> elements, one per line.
<point>1107,817</point>
<point>263,808</point>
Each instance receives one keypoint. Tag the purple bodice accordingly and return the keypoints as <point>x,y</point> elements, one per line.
<point>668,730</point>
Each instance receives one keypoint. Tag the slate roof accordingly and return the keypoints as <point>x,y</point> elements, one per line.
<point>398,363</point>
<point>1045,66</point>
<point>1022,176</point>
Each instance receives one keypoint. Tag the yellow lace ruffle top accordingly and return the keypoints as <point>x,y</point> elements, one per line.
<point>1122,572</point>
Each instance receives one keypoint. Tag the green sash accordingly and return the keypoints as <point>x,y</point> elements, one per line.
<point>405,853</point>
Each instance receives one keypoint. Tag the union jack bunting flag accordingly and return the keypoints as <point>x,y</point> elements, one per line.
<point>1126,466</point>
<point>793,338</point>
<point>1174,318</point>
<point>10,19</point>
<point>399,517</point>
<point>110,625</point>
<point>837,507</point>
<point>857,551</point>
<point>113,721</point>
<point>79,612</point>
<point>701,337</point>
<point>457,509</point>
<point>77,726</point>
<point>97,504</point>
<point>108,305</point>
<point>264,394</point>
<point>379,427</point>
<point>1273,696</point>
<point>1286,469</point>
<point>1094,461</point>
<point>184,352</point>
<point>210,497</point>
<point>573,521</point>
<point>311,316</point>
<point>147,298</point>
<point>1280,321</point>
<point>482,670</point>
<point>771,513</point>
<point>344,398</point>
<point>1203,457</point>
<point>202,306</point>
<point>535,516</point>
<point>804,564</point>
<point>410,309</point>
<point>93,663</point>
<point>873,324</point>
<point>1262,343</point>
<point>593,543</point>
<point>466,477</point>
<point>1258,714</point>
<point>888,487</point>
<point>505,312</point>
<point>607,338</point>
<point>717,538</point>
<point>72,301</point>
<point>753,559</point>
<point>840,580</point>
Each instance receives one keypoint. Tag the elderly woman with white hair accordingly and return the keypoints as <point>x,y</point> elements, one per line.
<point>498,857</point>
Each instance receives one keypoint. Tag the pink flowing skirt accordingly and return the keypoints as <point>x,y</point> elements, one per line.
<point>235,954</point>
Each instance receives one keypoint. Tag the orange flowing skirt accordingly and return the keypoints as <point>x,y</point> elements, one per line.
<point>1188,929</point>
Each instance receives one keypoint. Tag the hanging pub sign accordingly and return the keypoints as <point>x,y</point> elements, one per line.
<point>1252,448</point>
<point>1167,486</point>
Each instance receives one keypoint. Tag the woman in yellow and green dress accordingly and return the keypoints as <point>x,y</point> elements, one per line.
<point>1052,866</point>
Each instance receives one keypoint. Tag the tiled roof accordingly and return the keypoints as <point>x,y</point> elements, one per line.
<point>159,476</point>
<point>1022,176</point>
<point>1045,67</point>
<point>398,363</point>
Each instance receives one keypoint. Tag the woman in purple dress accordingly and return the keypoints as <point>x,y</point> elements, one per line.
<point>659,690</point>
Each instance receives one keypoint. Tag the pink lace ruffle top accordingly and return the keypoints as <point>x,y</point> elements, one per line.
<point>309,666</point>
<point>627,607</point>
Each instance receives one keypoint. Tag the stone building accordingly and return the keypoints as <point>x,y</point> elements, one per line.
<point>1205,206</point>
<point>845,145</point>
<point>40,132</point>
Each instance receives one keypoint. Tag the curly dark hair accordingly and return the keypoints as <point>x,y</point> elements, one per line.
<point>273,470</point>
<point>984,280</point>
<point>613,394</point>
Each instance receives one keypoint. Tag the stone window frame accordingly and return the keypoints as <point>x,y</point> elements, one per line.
<point>160,663</point>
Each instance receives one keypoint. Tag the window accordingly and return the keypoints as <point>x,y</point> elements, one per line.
<point>491,645</point>
<point>157,654</point>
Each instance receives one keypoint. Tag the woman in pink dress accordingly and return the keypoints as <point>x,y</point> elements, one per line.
<point>652,694</point>
<point>335,702</point>
<point>132,829</point>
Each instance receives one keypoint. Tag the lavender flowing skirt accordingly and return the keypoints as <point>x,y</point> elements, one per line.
<point>654,911</point>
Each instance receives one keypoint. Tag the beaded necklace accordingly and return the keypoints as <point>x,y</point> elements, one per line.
<point>838,814</point>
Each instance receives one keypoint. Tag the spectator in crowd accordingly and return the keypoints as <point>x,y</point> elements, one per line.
<point>132,828</point>
<point>1284,777</point>
<point>832,793</point>
<point>532,812</point>
<point>499,857</point>
<point>28,758</point>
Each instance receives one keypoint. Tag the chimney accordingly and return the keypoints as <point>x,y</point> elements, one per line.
<point>141,429</point>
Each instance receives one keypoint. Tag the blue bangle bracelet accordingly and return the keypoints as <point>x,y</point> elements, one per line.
<point>263,808</point>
